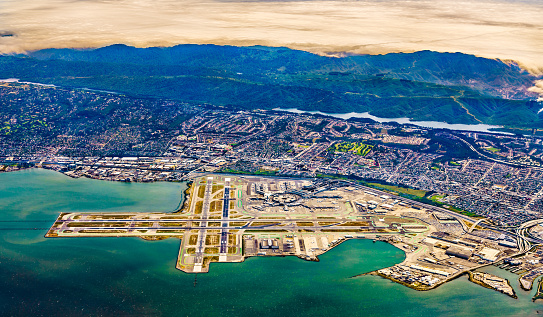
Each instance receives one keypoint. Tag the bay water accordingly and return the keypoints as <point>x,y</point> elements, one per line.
<point>130,276</point>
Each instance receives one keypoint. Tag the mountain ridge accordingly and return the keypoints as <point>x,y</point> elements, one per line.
<point>451,87</point>
<point>501,73</point>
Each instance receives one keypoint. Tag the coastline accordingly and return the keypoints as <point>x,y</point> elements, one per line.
<point>416,286</point>
<point>483,284</point>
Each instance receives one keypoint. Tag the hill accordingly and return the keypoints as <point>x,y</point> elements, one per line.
<point>450,87</point>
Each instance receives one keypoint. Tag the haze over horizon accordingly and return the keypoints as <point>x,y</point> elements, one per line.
<point>508,30</point>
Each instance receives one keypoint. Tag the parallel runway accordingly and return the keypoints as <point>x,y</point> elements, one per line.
<point>225,208</point>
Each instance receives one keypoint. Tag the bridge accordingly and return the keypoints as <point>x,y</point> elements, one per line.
<point>475,225</point>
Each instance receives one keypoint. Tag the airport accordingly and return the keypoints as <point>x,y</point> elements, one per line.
<point>228,218</point>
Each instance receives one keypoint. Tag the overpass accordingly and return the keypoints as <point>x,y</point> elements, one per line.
<point>475,225</point>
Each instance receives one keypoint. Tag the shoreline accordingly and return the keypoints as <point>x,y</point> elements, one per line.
<point>186,201</point>
<point>487,128</point>
<point>413,287</point>
<point>483,284</point>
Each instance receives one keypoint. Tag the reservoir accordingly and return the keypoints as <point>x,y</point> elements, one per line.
<point>425,124</point>
<point>130,276</point>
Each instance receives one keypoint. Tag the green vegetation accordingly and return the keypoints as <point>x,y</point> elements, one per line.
<point>198,208</point>
<point>97,224</point>
<point>266,231</point>
<point>257,172</point>
<point>539,293</point>
<point>209,259</point>
<point>357,148</point>
<point>344,230</point>
<point>100,231</point>
<point>262,223</point>
<point>215,206</point>
<point>437,198</point>
<point>324,223</point>
<point>237,224</point>
<point>216,188</point>
<point>463,212</point>
<point>193,239</point>
<point>356,223</point>
<point>24,124</point>
<point>169,224</point>
<point>438,91</point>
<point>403,190</point>
<point>211,250</point>
<point>201,191</point>
<point>212,239</point>
<point>218,196</point>
<point>390,220</point>
<point>413,194</point>
<point>171,231</point>
<point>332,176</point>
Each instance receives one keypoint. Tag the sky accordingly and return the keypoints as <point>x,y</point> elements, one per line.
<point>504,29</point>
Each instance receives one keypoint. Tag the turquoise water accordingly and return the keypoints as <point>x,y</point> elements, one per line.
<point>129,276</point>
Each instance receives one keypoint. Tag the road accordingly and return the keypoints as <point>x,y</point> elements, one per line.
<point>471,147</point>
<point>523,241</point>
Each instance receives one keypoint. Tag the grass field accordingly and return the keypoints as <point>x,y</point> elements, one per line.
<point>198,208</point>
<point>216,188</point>
<point>463,212</point>
<point>215,206</point>
<point>357,148</point>
<point>193,239</point>
<point>201,191</point>
<point>211,250</point>
<point>409,191</point>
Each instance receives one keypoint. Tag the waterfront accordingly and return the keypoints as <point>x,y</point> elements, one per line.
<point>106,276</point>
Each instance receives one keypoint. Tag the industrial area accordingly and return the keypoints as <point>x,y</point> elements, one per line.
<point>228,218</point>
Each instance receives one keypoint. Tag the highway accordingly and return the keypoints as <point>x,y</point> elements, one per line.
<point>521,239</point>
<point>493,159</point>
